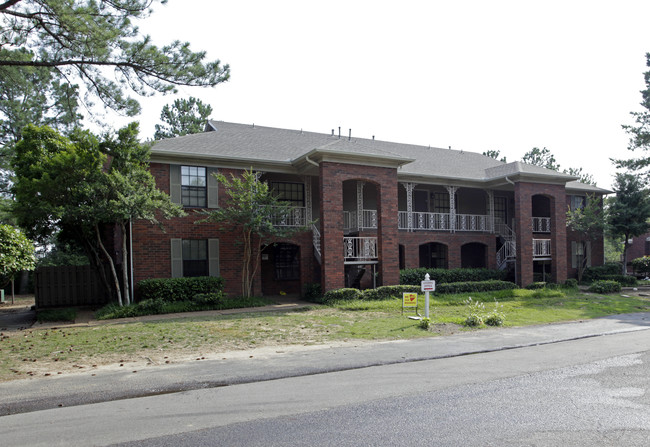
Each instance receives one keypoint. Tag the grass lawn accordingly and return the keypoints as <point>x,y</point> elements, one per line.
<point>38,352</point>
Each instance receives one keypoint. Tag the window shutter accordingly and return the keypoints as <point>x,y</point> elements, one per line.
<point>574,251</point>
<point>588,252</point>
<point>175,183</point>
<point>213,257</point>
<point>213,189</point>
<point>177,258</point>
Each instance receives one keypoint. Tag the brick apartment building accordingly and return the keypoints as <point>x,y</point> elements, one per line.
<point>378,207</point>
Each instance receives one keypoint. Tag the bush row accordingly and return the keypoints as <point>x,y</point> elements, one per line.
<point>178,289</point>
<point>598,272</point>
<point>386,292</point>
<point>441,276</point>
<point>624,280</point>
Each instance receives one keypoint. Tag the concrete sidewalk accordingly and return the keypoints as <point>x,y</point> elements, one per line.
<point>83,388</point>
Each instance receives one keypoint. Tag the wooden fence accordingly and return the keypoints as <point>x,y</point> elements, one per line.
<point>68,286</point>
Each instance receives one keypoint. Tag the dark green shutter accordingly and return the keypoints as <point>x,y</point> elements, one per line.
<point>177,258</point>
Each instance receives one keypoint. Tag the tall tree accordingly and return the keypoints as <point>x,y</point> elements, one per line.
<point>183,117</point>
<point>80,184</point>
<point>639,132</point>
<point>16,255</point>
<point>541,157</point>
<point>251,210</point>
<point>81,39</point>
<point>495,154</point>
<point>545,159</point>
<point>629,212</point>
<point>31,95</point>
<point>588,224</point>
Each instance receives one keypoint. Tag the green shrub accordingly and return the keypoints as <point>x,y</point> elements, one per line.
<point>346,294</point>
<point>536,285</point>
<point>386,292</point>
<point>312,292</point>
<point>571,283</point>
<point>641,265</point>
<point>443,276</point>
<point>208,298</point>
<point>475,313</point>
<point>597,272</point>
<point>178,289</point>
<point>478,286</point>
<point>624,280</point>
<point>605,286</point>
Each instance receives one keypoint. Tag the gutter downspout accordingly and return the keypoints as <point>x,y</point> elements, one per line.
<point>311,161</point>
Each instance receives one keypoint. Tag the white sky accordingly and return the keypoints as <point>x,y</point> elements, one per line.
<point>473,75</point>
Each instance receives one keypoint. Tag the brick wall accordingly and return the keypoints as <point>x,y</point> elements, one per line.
<point>454,241</point>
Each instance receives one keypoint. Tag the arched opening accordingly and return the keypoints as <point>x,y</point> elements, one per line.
<point>280,269</point>
<point>541,209</point>
<point>434,255</point>
<point>473,255</point>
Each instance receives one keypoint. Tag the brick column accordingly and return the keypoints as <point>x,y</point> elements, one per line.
<point>558,234</point>
<point>387,234</point>
<point>331,228</point>
<point>524,232</point>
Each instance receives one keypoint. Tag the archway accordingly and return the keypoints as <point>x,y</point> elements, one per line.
<point>473,255</point>
<point>434,255</point>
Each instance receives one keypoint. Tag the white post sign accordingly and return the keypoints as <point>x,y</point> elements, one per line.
<point>428,285</point>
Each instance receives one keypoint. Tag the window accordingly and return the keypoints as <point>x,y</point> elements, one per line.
<point>287,264</point>
<point>292,193</point>
<point>441,202</point>
<point>193,186</point>
<point>195,257</point>
<point>577,202</point>
<point>580,254</point>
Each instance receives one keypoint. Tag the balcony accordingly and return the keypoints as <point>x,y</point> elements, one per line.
<point>541,249</point>
<point>472,222</point>
<point>360,250</point>
<point>541,224</point>
<point>425,221</point>
<point>297,217</point>
<point>368,220</point>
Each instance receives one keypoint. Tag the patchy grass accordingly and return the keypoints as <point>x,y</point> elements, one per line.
<point>53,351</point>
<point>47,315</point>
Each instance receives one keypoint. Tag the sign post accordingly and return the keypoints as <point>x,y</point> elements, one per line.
<point>428,285</point>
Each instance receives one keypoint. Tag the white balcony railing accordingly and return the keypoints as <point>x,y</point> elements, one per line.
<point>357,249</point>
<point>368,220</point>
<point>296,217</point>
<point>541,224</point>
<point>431,221</point>
<point>541,248</point>
<point>472,222</point>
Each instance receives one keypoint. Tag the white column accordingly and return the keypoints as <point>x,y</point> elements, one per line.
<point>409,204</point>
<point>490,195</point>
<point>360,205</point>
<point>451,190</point>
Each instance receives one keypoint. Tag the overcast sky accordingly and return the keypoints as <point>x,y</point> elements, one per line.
<point>473,75</point>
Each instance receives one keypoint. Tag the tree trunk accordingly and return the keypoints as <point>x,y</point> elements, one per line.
<point>111,264</point>
<point>125,266</point>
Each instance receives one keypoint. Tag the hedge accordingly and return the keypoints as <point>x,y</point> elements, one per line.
<point>178,289</point>
<point>605,286</point>
<point>598,272</point>
<point>441,276</point>
<point>385,292</point>
<point>346,294</point>
<point>624,280</point>
<point>474,286</point>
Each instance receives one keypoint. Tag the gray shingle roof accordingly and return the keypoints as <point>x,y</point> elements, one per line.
<point>251,142</point>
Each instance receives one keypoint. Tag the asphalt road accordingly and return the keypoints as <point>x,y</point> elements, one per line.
<point>586,391</point>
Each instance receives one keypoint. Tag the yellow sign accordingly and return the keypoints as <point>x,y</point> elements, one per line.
<point>409,300</point>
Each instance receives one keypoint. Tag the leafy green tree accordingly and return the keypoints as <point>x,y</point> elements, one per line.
<point>78,185</point>
<point>31,95</point>
<point>541,157</point>
<point>495,154</point>
<point>16,255</point>
<point>545,159</point>
<point>629,213</point>
<point>86,39</point>
<point>183,117</point>
<point>639,132</point>
<point>588,224</point>
<point>128,191</point>
<point>250,210</point>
